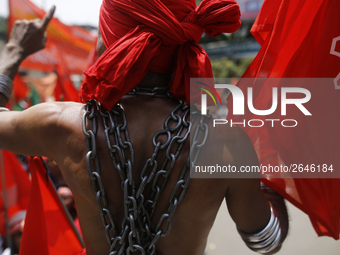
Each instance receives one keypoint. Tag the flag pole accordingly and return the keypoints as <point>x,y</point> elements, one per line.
<point>4,196</point>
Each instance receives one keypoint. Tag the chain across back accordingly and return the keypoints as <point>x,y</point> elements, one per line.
<point>136,233</point>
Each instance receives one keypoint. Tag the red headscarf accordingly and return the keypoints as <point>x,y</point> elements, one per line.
<point>156,35</point>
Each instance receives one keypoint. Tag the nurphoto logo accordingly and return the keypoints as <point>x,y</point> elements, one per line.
<point>238,105</point>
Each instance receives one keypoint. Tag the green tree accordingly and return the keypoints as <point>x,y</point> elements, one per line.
<point>227,68</point>
<point>3,28</point>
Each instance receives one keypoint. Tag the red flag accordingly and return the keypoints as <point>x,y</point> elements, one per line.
<point>20,88</point>
<point>92,58</point>
<point>74,42</point>
<point>48,230</point>
<point>65,90</point>
<point>301,39</point>
<point>17,188</point>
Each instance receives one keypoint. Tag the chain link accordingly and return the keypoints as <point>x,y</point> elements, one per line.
<point>154,92</point>
<point>136,233</point>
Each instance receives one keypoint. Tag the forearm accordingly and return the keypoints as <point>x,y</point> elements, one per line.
<point>10,60</point>
<point>261,233</point>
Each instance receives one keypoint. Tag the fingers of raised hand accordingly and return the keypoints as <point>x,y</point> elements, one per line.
<point>36,24</point>
<point>47,18</point>
<point>30,36</point>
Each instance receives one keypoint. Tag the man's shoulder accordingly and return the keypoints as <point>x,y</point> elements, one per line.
<point>63,107</point>
<point>54,109</point>
<point>230,145</point>
<point>230,136</point>
<point>56,122</point>
<point>54,116</point>
<point>65,116</point>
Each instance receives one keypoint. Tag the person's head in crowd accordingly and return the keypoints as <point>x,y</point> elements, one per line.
<point>16,224</point>
<point>67,198</point>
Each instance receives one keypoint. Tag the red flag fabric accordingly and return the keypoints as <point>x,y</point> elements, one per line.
<point>20,88</point>
<point>301,39</point>
<point>75,43</point>
<point>157,36</point>
<point>92,58</point>
<point>17,188</point>
<point>65,89</point>
<point>47,229</point>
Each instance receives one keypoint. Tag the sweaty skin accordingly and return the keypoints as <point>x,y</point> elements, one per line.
<point>54,130</point>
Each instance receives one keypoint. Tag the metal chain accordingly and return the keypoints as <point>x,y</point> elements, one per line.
<point>154,92</point>
<point>93,168</point>
<point>136,232</point>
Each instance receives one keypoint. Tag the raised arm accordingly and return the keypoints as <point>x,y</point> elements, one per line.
<point>249,206</point>
<point>20,132</point>
<point>27,37</point>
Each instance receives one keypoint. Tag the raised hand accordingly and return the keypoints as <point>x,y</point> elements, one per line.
<point>29,35</point>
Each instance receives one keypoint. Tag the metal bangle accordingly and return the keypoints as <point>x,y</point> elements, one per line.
<point>4,109</point>
<point>6,86</point>
<point>262,235</point>
<point>267,239</point>
<point>271,246</point>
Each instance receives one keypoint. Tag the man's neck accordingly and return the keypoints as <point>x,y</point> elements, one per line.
<point>152,79</point>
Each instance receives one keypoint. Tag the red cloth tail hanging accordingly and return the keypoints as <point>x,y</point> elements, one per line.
<point>48,230</point>
<point>17,188</point>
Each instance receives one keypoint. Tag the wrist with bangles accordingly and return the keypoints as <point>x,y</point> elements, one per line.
<point>267,239</point>
<point>6,86</point>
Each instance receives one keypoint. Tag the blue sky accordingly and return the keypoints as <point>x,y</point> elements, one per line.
<point>78,12</point>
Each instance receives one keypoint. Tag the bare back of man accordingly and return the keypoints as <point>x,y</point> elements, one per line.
<point>61,125</point>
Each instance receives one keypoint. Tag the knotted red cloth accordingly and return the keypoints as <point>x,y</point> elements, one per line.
<point>155,35</point>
